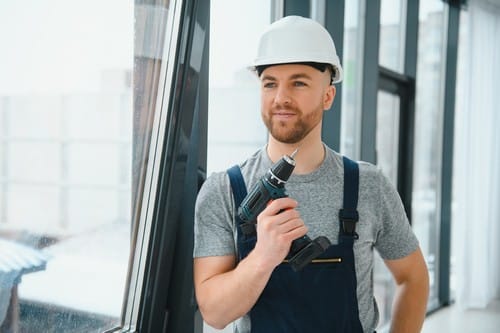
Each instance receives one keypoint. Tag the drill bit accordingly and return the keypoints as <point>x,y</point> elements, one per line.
<point>294,153</point>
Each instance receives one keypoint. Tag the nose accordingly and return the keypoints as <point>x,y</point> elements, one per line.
<point>282,97</point>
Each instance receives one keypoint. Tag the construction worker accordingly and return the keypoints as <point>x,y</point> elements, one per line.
<point>247,278</point>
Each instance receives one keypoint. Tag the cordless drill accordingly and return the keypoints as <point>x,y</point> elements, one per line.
<point>272,186</point>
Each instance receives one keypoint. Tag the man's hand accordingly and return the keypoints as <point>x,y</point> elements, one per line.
<point>277,227</point>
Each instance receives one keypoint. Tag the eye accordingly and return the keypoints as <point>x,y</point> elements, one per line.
<point>299,84</point>
<point>269,85</point>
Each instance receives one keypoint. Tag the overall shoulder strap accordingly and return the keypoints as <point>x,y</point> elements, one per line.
<point>348,215</point>
<point>239,193</point>
<point>239,190</point>
<point>237,184</point>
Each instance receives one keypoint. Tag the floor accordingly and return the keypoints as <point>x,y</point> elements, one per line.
<point>455,319</point>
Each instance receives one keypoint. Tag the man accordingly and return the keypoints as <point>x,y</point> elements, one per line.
<point>297,65</point>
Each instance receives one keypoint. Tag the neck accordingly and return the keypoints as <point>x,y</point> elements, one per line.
<point>309,157</point>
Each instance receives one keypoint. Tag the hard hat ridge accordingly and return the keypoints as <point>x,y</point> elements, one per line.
<point>296,39</point>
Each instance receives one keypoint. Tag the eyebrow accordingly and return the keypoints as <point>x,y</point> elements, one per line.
<point>293,77</point>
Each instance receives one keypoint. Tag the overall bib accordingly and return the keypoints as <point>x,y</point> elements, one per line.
<point>320,298</point>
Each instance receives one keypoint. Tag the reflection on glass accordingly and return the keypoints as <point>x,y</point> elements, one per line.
<point>392,34</point>
<point>428,134</point>
<point>387,145</point>
<point>65,164</point>
<point>352,63</point>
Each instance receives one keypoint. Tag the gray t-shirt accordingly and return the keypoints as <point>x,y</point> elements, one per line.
<point>382,225</point>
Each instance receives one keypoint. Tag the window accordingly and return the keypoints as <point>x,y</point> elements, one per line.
<point>352,63</point>
<point>392,33</point>
<point>235,128</point>
<point>65,163</point>
<point>387,146</point>
<point>387,139</point>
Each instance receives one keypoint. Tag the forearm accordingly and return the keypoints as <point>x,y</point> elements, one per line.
<point>226,297</point>
<point>409,307</point>
<point>225,292</point>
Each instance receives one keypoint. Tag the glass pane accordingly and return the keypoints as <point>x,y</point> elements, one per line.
<point>235,128</point>
<point>351,85</point>
<point>428,133</point>
<point>65,164</point>
<point>392,34</point>
<point>387,145</point>
<point>387,136</point>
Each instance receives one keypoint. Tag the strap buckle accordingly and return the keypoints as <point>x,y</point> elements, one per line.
<point>349,218</point>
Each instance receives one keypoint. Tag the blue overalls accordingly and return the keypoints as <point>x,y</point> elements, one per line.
<point>321,298</point>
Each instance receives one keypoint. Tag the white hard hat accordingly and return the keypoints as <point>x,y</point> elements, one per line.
<point>295,39</point>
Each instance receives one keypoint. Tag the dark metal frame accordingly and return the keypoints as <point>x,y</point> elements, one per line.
<point>294,7</point>
<point>404,87</point>
<point>167,303</point>
<point>447,152</point>
<point>334,23</point>
<point>370,77</point>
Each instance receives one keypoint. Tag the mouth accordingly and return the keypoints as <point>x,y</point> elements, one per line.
<point>283,117</point>
<point>283,114</point>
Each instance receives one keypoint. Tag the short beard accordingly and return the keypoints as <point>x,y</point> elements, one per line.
<point>281,133</point>
<point>278,131</point>
<point>296,132</point>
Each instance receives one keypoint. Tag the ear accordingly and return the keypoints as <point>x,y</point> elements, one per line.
<point>328,97</point>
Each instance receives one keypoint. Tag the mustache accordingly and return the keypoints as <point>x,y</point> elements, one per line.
<point>284,109</point>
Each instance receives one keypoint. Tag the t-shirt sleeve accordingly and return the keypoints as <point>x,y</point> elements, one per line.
<point>213,232</point>
<point>395,239</point>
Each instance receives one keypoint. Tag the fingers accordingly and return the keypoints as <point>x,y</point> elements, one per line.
<point>281,219</point>
<point>283,222</point>
<point>277,205</point>
<point>277,226</point>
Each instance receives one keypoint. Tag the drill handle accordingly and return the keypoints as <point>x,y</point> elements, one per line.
<point>257,200</point>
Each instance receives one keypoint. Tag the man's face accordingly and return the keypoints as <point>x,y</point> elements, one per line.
<point>293,98</point>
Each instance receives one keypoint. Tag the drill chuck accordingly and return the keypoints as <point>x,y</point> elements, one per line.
<point>270,186</point>
<point>279,173</point>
